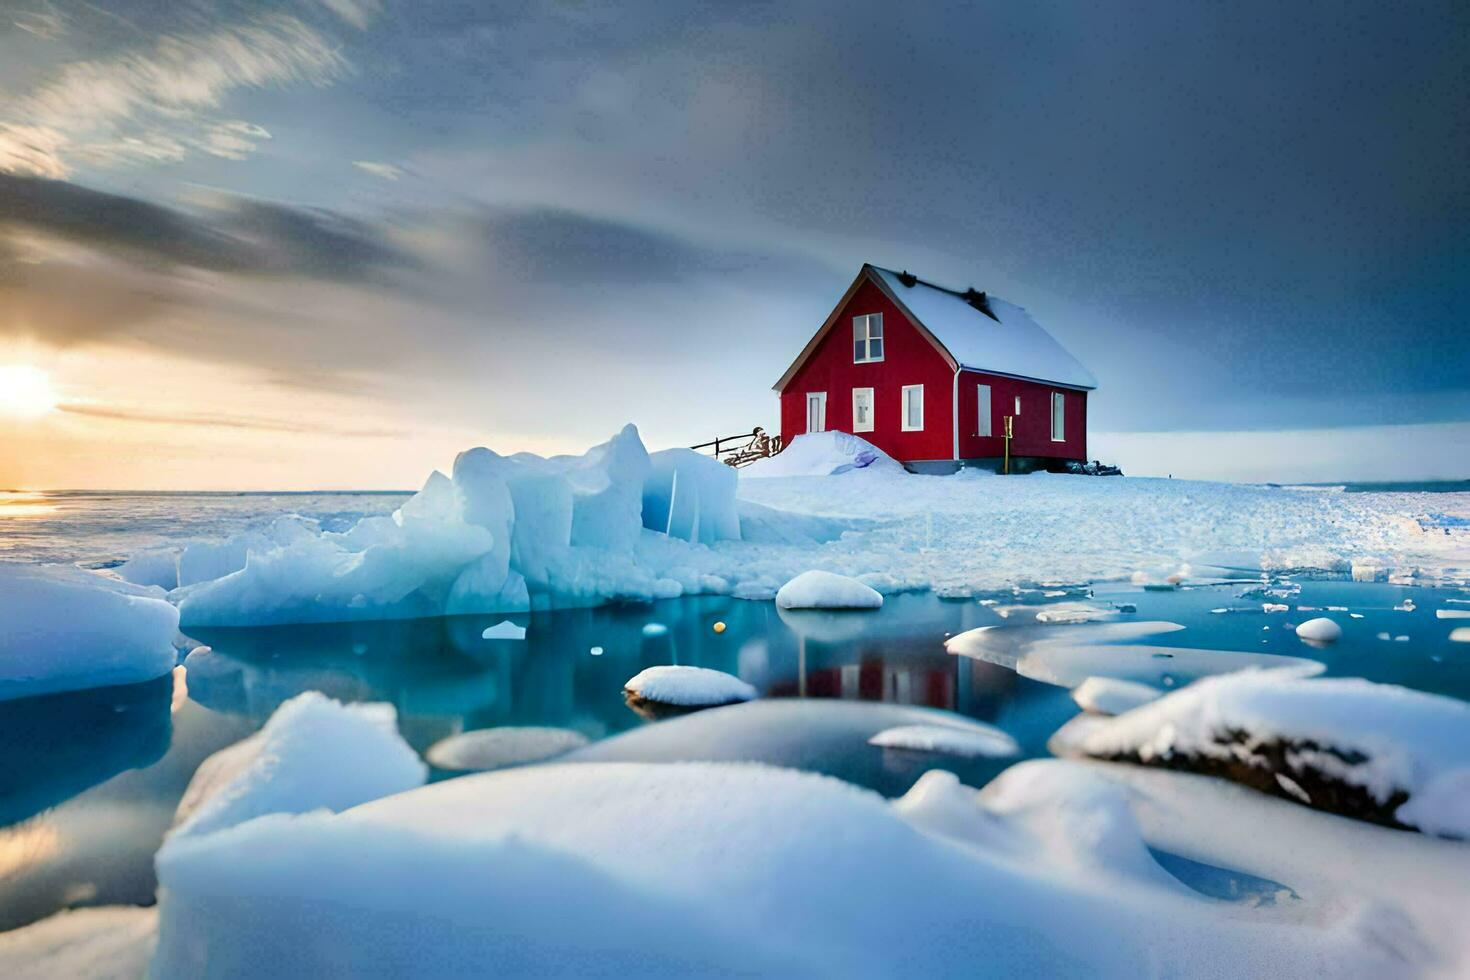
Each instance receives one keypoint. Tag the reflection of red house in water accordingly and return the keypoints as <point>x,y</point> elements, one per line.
<point>952,683</point>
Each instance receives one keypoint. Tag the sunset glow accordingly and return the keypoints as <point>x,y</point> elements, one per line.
<point>25,391</point>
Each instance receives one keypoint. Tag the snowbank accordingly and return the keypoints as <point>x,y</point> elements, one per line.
<point>65,629</point>
<point>1372,751</point>
<point>110,942</point>
<point>313,752</point>
<point>825,454</point>
<point>688,687</point>
<point>825,590</point>
<point>968,741</point>
<point>698,869</point>
<point>499,748</point>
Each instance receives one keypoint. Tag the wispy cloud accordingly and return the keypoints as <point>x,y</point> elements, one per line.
<point>384,170</point>
<point>223,421</point>
<point>161,103</point>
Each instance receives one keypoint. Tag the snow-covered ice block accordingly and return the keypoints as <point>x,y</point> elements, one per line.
<point>1110,696</point>
<point>64,629</point>
<point>827,590</point>
<point>1319,630</point>
<point>1372,751</point>
<point>690,496</point>
<point>967,741</point>
<point>107,942</point>
<point>152,566</point>
<point>313,752</point>
<point>499,748</point>
<point>829,453</point>
<point>688,687</point>
<point>698,869</point>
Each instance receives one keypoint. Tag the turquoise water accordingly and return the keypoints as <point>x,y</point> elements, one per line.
<point>89,780</point>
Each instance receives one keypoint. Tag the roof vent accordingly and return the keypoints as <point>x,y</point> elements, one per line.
<point>908,278</point>
<point>978,300</point>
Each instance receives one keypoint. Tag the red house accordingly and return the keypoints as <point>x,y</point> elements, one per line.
<point>930,375</point>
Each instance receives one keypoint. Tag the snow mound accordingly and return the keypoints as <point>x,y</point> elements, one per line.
<point>1320,630</point>
<point>109,942</point>
<point>967,742</point>
<point>1376,752</point>
<point>696,869</point>
<point>688,687</point>
<point>65,629</point>
<point>499,748</point>
<point>825,454</point>
<point>826,590</point>
<point>1108,696</point>
<point>313,752</point>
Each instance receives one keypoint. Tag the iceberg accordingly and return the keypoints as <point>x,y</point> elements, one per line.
<point>688,687</point>
<point>67,629</point>
<point>827,590</point>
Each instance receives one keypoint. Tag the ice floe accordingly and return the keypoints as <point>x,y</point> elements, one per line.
<point>1376,752</point>
<point>108,942</point>
<point>1319,630</point>
<point>1110,696</point>
<point>499,748</point>
<point>968,741</point>
<point>313,753</point>
<point>826,590</point>
<point>688,687</point>
<point>65,629</point>
<point>504,630</point>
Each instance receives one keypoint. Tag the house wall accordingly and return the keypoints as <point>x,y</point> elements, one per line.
<point>1032,428</point>
<point>908,358</point>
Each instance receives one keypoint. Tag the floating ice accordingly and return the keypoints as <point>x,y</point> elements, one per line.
<point>66,629</point>
<point>313,752</point>
<point>152,566</point>
<point>108,942</point>
<point>1344,744</point>
<point>826,590</point>
<point>504,630</point>
<point>654,629</point>
<point>688,687</point>
<point>498,748</point>
<point>1460,634</point>
<point>1319,630</point>
<point>969,741</point>
<point>1110,696</point>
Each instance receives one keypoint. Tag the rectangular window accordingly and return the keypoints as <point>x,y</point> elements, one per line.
<point>862,409</point>
<point>1018,406</point>
<point>867,338</point>
<point>816,411</point>
<point>982,398</point>
<point>1058,417</point>
<point>913,408</point>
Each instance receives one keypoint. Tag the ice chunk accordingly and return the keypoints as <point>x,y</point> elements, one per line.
<point>504,630</point>
<point>499,748</point>
<point>828,453</point>
<point>690,496</point>
<point>152,566</point>
<point>1319,630</point>
<point>108,942</point>
<point>688,687</point>
<point>827,590</point>
<point>1348,745</point>
<point>655,629</point>
<point>67,629</point>
<point>1110,696</point>
<point>313,752</point>
<point>967,742</point>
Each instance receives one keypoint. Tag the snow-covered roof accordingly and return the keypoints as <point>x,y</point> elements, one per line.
<point>1011,343</point>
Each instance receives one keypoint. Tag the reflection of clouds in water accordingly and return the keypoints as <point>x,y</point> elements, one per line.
<point>19,504</point>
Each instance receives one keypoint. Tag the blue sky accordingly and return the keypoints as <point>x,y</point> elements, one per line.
<point>523,224</point>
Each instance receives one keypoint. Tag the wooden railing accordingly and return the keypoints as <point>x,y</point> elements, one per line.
<point>742,449</point>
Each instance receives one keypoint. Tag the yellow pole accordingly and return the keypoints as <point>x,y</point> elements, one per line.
<point>1008,444</point>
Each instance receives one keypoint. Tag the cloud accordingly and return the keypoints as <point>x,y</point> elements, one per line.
<point>223,421</point>
<point>384,170</point>
<point>358,13</point>
<point>159,103</point>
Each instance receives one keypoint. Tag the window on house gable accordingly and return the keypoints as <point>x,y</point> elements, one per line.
<point>913,408</point>
<point>867,338</point>
<point>862,409</point>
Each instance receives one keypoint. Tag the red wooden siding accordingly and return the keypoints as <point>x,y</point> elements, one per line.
<point>909,358</point>
<point>1032,428</point>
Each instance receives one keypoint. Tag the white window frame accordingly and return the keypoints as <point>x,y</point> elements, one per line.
<point>1018,406</point>
<point>862,332</point>
<point>1058,417</point>
<point>856,425</point>
<point>821,397</point>
<point>903,407</point>
<point>984,412</point>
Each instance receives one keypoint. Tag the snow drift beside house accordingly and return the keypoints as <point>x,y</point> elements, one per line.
<point>828,453</point>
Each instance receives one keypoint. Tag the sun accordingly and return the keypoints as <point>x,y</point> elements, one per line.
<point>25,391</point>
